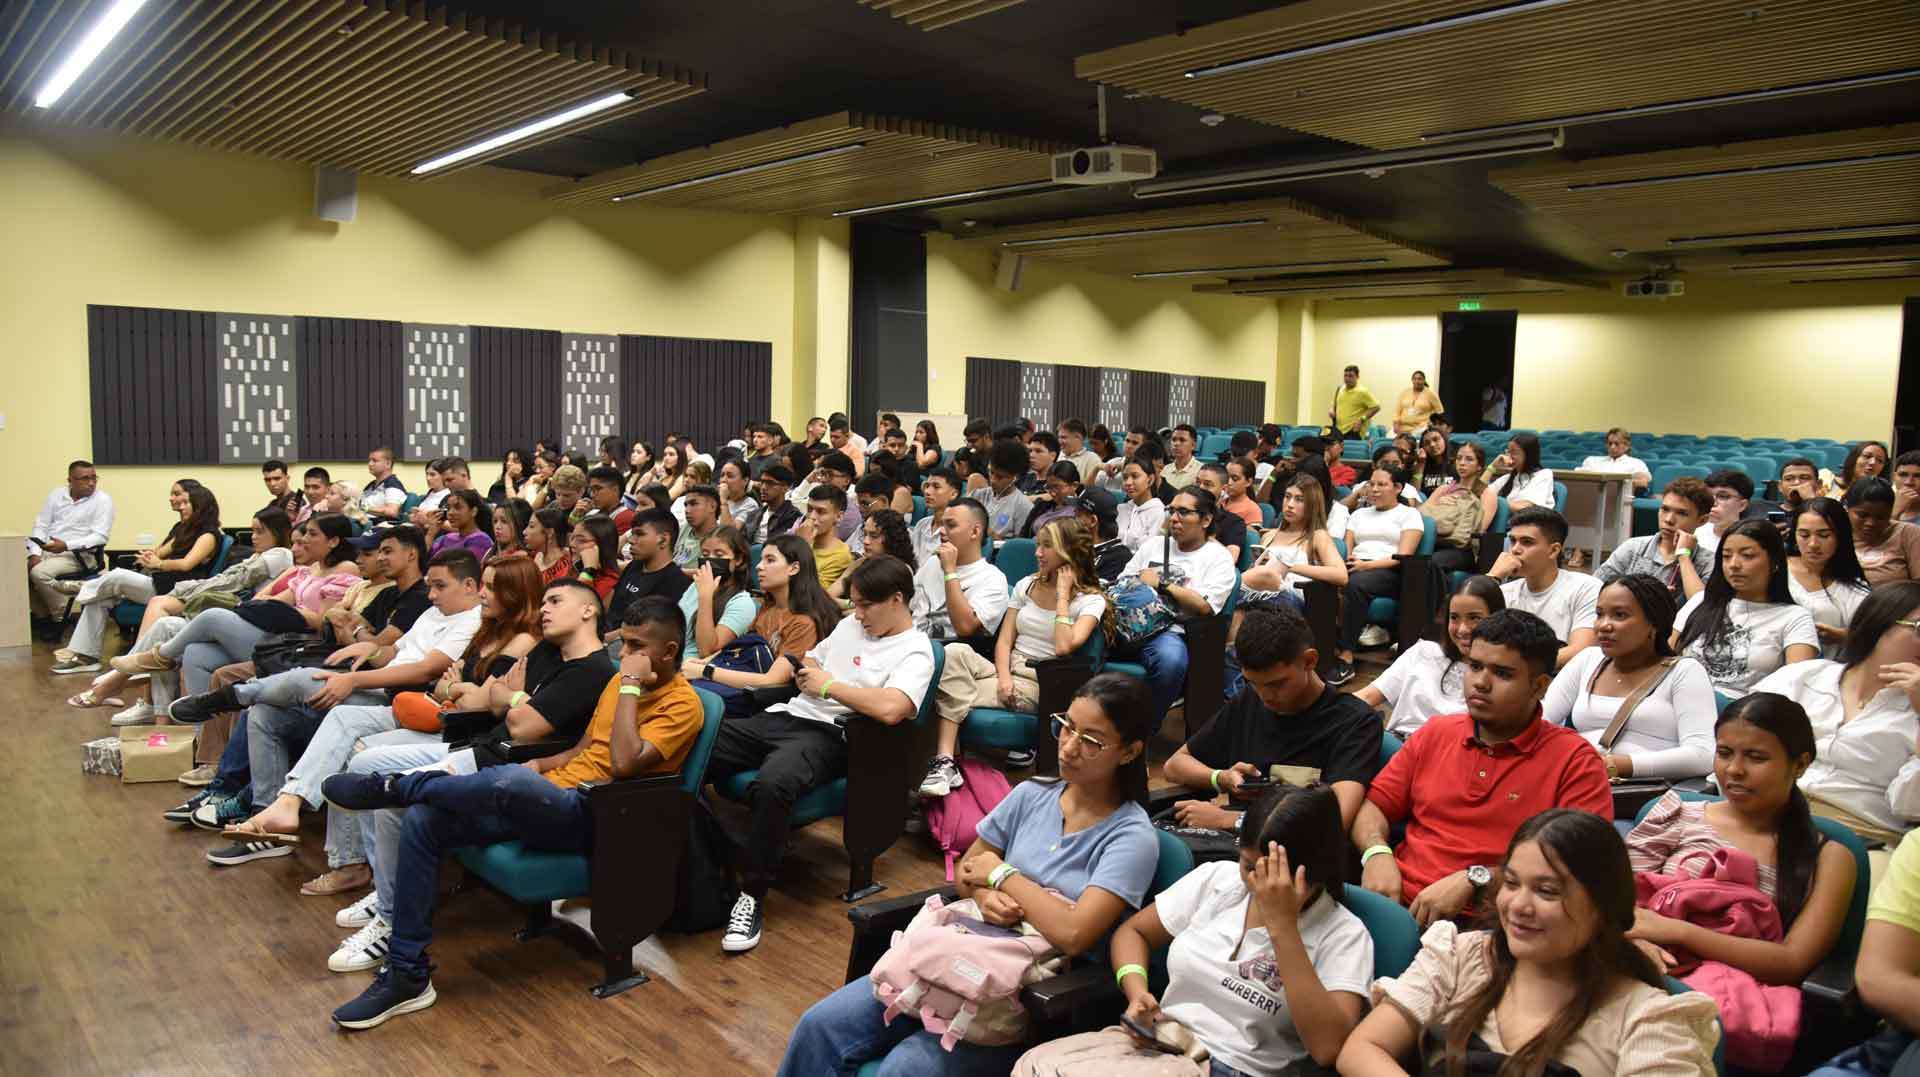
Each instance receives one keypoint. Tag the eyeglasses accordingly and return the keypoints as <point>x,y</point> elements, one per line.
<point>1180,510</point>
<point>1061,727</point>
<point>1914,625</point>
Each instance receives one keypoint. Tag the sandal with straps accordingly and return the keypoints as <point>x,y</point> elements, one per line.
<point>86,700</point>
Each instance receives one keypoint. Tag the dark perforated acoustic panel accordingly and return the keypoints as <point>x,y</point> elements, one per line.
<point>1147,399</point>
<point>1229,402</point>
<point>993,389</point>
<point>706,389</point>
<point>351,396</point>
<point>1076,394</point>
<point>154,385</point>
<point>516,388</point>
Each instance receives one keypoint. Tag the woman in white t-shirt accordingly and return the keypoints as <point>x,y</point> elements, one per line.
<point>1141,516</point>
<point>1227,930</point>
<point>1824,575</point>
<point>1744,625</point>
<point>1429,679</point>
<point>1522,481</point>
<point>1376,533</point>
<point>1669,733</point>
<point>1052,613</point>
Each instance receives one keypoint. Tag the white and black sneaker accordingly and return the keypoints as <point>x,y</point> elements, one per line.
<point>360,913</point>
<point>242,851</point>
<point>1341,673</point>
<point>943,777</point>
<point>362,950</point>
<point>743,926</point>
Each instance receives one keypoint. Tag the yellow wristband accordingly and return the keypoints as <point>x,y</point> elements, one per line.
<point>632,690</point>
<point>824,687</point>
<point>1214,777</point>
<point>1372,851</point>
<point>1125,971</point>
<point>516,699</point>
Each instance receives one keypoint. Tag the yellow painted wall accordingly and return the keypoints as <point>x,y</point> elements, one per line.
<point>1817,360</point>
<point>99,219</point>
<point>1080,318</point>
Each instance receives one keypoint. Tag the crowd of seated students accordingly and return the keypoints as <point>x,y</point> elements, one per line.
<point>1544,688</point>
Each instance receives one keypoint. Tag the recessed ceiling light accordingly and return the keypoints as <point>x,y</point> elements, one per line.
<point>1213,119</point>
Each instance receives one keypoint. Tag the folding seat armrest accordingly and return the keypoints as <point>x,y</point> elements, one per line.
<point>1077,993</point>
<point>1159,800</point>
<point>1831,982</point>
<point>497,752</point>
<point>874,923</point>
<point>767,696</point>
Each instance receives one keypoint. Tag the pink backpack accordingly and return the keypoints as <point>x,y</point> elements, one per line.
<point>954,819</point>
<point>960,982</point>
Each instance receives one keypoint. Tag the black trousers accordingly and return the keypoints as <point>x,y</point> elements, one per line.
<point>1362,588</point>
<point>793,756</point>
<point>1454,559</point>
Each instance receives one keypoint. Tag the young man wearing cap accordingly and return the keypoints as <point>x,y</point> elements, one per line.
<point>1097,510</point>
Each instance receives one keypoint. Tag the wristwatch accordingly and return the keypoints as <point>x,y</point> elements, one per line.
<point>1481,876</point>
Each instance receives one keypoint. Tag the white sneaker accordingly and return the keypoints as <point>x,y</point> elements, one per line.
<point>141,713</point>
<point>943,777</point>
<point>358,914</point>
<point>743,926</point>
<point>362,950</point>
<point>1374,636</point>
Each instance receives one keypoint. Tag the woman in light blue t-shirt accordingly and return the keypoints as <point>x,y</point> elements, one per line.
<point>1071,856</point>
<point>719,607</point>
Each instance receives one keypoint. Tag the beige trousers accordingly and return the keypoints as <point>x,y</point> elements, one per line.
<point>969,681</point>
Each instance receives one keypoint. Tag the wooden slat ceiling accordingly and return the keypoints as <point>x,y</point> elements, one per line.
<point>848,160</point>
<point>373,85</point>
<point>1273,236</point>
<point>1839,179</point>
<point>1541,61</point>
<point>1851,263</point>
<point>934,14</point>
<point>1404,284</point>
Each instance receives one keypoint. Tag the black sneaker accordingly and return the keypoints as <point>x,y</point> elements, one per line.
<point>1342,673</point>
<point>203,707</point>
<point>183,813</point>
<point>390,995</point>
<point>1021,758</point>
<point>362,792</point>
<point>743,926</point>
<point>242,851</point>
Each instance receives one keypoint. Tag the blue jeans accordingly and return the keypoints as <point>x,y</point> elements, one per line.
<point>373,837</point>
<point>845,1029</point>
<point>448,812</point>
<point>1165,657</point>
<point>215,638</point>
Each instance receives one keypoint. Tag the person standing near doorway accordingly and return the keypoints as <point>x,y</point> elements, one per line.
<point>1416,406</point>
<point>1354,406</point>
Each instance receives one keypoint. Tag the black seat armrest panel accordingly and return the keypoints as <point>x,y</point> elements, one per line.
<point>1064,999</point>
<point>1831,982</point>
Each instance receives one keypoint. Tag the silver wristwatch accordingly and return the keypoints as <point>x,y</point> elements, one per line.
<point>1481,876</point>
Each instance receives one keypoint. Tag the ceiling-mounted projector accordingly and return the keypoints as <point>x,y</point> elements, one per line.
<point>1097,165</point>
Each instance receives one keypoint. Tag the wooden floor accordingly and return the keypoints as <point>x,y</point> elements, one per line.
<point>123,951</point>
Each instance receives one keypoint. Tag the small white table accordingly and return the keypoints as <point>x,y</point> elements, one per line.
<point>1599,516</point>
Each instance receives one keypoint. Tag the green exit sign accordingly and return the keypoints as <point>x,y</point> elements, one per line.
<point>1469,304</point>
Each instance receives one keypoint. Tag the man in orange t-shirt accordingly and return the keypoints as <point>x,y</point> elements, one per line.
<point>645,723</point>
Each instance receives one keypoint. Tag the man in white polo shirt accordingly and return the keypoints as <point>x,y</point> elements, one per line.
<point>1532,580</point>
<point>75,517</point>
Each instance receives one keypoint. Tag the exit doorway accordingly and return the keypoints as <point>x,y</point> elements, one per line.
<point>1476,368</point>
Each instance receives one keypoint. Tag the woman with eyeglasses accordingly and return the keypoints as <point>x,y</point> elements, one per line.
<point>1071,856</point>
<point>1862,707</point>
<point>1265,967</point>
<point>1194,576</point>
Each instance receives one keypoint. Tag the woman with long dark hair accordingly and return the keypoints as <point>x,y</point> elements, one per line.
<point>1235,934</point>
<point>1762,744</point>
<point>796,615</point>
<point>510,521</point>
<point>884,532</point>
<point>516,467</point>
<point>545,539</point>
<point>1743,624</point>
<point>1428,678</point>
<point>595,545</point>
<point>1069,856</point>
<point>1862,707</point>
<point>639,464</point>
<point>1867,460</point>
<point>719,607</point>
<point>1669,732</point>
<point>186,553</point>
<point>1521,479</point>
<point>1823,572</point>
<point>1555,979</point>
<point>1432,464</point>
<point>469,525</point>
<point>926,445</point>
<point>1460,505</point>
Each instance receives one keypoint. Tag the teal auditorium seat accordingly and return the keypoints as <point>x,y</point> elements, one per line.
<point>873,796</point>
<point>919,509</point>
<point>640,829</point>
<point>1017,558</point>
<point>1011,730</point>
<point>1413,590</point>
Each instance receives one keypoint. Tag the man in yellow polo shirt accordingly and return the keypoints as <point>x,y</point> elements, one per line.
<point>645,723</point>
<point>1353,406</point>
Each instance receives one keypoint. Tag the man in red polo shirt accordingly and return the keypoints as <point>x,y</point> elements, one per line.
<point>1465,782</point>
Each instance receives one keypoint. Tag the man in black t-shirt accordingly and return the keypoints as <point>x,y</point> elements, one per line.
<point>548,695</point>
<point>651,572</point>
<point>1285,717</point>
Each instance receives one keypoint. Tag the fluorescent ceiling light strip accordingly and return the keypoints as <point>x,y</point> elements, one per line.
<point>528,130</point>
<point>745,170</point>
<point>1756,170</point>
<point>1130,233</point>
<point>1850,280</point>
<point>1805,235</point>
<point>1230,271</point>
<point>1327,168</point>
<point>1716,101</point>
<point>1471,18</point>
<point>947,199</point>
<point>1346,287</point>
<point>86,51</point>
<point>1837,265</point>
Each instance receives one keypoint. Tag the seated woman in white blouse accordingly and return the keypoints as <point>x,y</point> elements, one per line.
<point>1429,679</point>
<point>1824,575</point>
<point>1377,535</point>
<point>1669,733</point>
<point>1298,550</point>
<point>1743,624</point>
<point>1556,980</point>
<point>1522,481</point>
<point>1862,710</point>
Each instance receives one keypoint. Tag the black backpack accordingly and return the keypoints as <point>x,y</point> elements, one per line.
<point>703,893</point>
